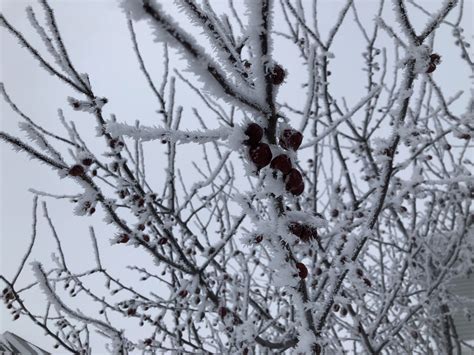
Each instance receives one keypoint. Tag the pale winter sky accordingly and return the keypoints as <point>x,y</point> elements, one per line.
<point>96,35</point>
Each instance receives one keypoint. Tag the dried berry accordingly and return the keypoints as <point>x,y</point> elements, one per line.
<point>359,272</point>
<point>282,163</point>
<point>163,241</point>
<point>183,293</point>
<point>255,134</point>
<point>336,307</point>
<point>258,238</point>
<point>335,213</point>
<point>261,155</point>
<point>291,139</point>
<point>343,312</point>
<point>277,74</point>
<point>76,170</point>
<point>302,270</point>
<point>146,238</point>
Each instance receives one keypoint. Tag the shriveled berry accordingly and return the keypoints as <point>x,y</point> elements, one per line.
<point>183,293</point>
<point>76,170</point>
<point>146,238</point>
<point>343,312</point>
<point>302,270</point>
<point>163,241</point>
<point>282,163</point>
<point>291,139</point>
<point>258,238</point>
<point>261,155</point>
<point>255,134</point>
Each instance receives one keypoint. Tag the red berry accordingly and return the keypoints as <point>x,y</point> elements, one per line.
<point>131,311</point>
<point>302,270</point>
<point>124,238</point>
<point>431,68</point>
<point>294,182</point>
<point>435,58</point>
<point>87,161</point>
<point>277,74</point>
<point>76,170</point>
<point>304,232</point>
<point>282,163</point>
<point>261,155</point>
<point>291,139</point>
<point>255,134</point>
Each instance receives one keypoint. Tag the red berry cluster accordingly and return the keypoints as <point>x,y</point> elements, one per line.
<point>291,139</point>
<point>261,155</point>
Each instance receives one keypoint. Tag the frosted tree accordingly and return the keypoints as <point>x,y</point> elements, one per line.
<point>330,226</point>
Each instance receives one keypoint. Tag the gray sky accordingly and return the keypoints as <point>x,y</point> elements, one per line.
<point>96,35</point>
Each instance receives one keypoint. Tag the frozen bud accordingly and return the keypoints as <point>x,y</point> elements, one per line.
<point>261,155</point>
<point>76,170</point>
<point>291,139</point>
<point>294,182</point>
<point>282,163</point>
<point>277,74</point>
<point>255,134</point>
<point>302,270</point>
